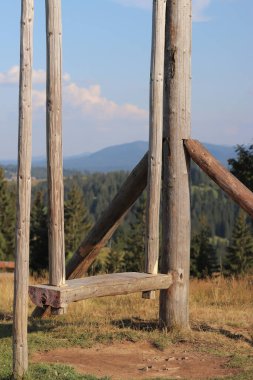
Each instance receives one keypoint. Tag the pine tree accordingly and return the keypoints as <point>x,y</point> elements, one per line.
<point>115,262</point>
<point>77,219</point>
<point>2,247</point>
<point>135,241</point>
<point>203,256</point>
<point>242,165</point>
<point>39,236</point>
<point>7,219</point>
<point>239,259</point>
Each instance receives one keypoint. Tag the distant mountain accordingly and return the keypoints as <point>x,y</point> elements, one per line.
<point>117,157</point>
<point>221,152</point>
<point>120,157</point>
<point>126,156</point>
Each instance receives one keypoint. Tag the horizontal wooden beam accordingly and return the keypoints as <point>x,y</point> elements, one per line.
<point>97,286</point>
<point>220,175</point>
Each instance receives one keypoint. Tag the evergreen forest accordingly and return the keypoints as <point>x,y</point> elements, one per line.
<point>222,238</point>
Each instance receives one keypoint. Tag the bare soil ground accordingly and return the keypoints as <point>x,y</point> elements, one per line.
<point>130,361</point>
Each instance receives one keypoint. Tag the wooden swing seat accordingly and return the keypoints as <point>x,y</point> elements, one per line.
<point>97,286</point>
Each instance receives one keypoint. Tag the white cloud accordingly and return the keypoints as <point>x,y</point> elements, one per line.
<point>39,76</point>
<point>38,98</point>
<point>11,76</point>
<point>199,9</point>
<point>90,119</point>
<point>91,102</point>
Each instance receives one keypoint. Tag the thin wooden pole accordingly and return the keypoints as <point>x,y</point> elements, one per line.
<point>54,143</point>
<point>220,175</point>
<point>21,274</point>
<point>176,189</point>
<point>155,140</point>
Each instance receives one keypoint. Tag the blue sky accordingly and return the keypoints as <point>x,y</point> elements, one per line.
<point>106,63</point>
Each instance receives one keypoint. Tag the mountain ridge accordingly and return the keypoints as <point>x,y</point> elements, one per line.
<point>120,157</point>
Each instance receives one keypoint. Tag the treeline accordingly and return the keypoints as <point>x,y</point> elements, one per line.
<point>221,234</point>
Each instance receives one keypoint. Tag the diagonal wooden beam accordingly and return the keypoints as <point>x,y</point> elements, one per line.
<point>220,175</point>
<point>105,226</point>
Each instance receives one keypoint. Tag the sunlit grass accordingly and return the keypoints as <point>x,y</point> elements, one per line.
<point>221,315</point>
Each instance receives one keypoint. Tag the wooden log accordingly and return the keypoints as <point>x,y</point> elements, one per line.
<point>7,265</point>
<point>21,273</point>
<point>220,175</point>
<point>155,140</point>
<point>174,309</point>
<point>105,226</point>
<point>97,286</point>
<point>54,143</point>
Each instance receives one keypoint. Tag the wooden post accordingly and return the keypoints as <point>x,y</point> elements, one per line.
<point>155,140</point>
<point>21,276</point>
<point>176,190</point>
<point>54,143</point>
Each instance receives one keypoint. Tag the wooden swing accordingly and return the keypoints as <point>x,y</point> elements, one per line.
<point>169,144</point>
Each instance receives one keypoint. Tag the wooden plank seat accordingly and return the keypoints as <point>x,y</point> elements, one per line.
<point>97,286</point>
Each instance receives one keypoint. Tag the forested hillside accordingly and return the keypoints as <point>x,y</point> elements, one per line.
<point>215,222</point>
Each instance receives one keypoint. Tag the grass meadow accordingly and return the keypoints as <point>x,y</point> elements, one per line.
<point>221,317</point>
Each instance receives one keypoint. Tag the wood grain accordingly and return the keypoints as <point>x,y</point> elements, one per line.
<point>23,205</point>
<point>174,309</point>
<point>155,140</point>
<point>97,286</point>
<point>54,143</point>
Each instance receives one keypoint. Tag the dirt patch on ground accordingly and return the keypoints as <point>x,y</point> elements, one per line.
<point>125,361</point>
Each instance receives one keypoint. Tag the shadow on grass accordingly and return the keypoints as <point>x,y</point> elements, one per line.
<point>44,325</point>
<point>5,330</point>
<point>5,317</point>
<point>136,324</point>
<point>226,333</point>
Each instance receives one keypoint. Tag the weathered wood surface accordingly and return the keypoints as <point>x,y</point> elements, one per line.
<point>97,286</point>
<point>7,265</point>
<point>54,143</point>
<point>174,309</point>
<point>155,140</point>
<point>21,274</point>
<point>105,226</point>
<point>220,175</point>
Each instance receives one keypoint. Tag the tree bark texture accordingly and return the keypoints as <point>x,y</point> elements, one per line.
<point>54,143</point>
<point>21,274</point>
<point>174,309</point>
<point>155,140</point>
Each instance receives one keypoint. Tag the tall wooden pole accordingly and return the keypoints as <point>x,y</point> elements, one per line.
<point>54,143</point>
<point>176,190</point>
<point>155,140</point>
<point>21,276</point>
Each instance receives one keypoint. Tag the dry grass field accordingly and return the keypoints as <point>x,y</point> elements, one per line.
<point>118,338</point>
